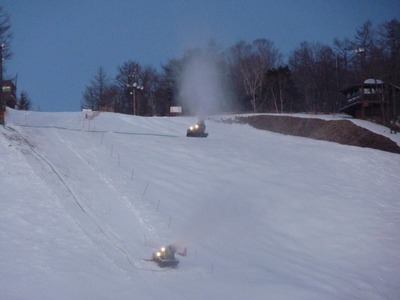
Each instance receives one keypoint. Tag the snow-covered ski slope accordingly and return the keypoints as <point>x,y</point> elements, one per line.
<point>264,215</point>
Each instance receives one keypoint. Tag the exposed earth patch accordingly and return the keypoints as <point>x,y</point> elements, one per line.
<point>339,131</point>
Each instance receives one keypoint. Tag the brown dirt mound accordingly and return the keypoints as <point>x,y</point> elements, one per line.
<point>339,131</point>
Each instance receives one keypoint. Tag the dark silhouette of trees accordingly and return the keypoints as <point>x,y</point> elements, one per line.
<point>5,53</point>
<point>24,102</point>
<point>389,43</point>
<point>99,94</point>
<point>280,89</point>
<point>5,33</point>
<point>313,68</point>
<point>168,86</point>
<point>258,77</point>
<point>128,73</point>
<point>248,65</point>
<point>149,97</point>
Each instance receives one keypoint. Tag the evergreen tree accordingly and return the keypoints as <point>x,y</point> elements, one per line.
<point>97,95</point>
<point>24,102</point>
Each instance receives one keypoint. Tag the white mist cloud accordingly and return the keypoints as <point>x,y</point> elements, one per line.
<point>201,86</point>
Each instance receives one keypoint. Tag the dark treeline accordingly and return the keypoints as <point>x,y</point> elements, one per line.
<point>260,78</point>
<point>8,95</point>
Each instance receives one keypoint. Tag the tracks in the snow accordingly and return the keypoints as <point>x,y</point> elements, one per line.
<point>88,222</point>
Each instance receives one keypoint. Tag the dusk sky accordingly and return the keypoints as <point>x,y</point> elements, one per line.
<point>58,45</point>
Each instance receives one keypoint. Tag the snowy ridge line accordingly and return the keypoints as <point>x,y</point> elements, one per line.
<point>95,131</point>
<point>119,248</point>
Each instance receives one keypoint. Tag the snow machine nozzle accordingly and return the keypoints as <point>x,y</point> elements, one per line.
<point>197,130</point>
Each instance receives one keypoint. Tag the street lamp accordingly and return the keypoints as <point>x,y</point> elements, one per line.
<point>361,52</point>
<point>133,78</point>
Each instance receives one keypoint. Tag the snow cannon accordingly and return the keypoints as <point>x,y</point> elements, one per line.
<point>197,130</point>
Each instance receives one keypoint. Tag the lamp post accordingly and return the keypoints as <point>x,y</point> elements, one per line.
<point>361,52</point>
<point>2,102</point>
<point>133,78</point>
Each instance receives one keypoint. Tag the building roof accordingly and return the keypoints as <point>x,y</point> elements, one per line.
<point>367,83</point>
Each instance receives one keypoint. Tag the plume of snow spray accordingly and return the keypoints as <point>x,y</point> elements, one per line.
<point>201,85</point>
<point>203,90</point>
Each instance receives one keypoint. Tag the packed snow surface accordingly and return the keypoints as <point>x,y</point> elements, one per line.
<point>86,196</point>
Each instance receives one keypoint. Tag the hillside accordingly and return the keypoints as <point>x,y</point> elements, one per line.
<point>84,198</point>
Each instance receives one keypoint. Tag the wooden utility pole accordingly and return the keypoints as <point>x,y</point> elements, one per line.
<point>134,85</point>
<point>2,100</point>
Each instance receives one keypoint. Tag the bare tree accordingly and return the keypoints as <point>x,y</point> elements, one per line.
<point>168,88</point>
<point>344,51</point>
<point>250,62</point>
<point>280,87</point>
<point>363,47</point>
<point>386,62</point>
<point>389,41</point>
<point>301,62</point>
<point>129,73</point>
<point>313,65</point>
<point>5,33</point>
<point>151,84</point>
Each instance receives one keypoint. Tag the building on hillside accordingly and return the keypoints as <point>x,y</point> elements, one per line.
<point>9,93</point>
<point>372,99</point>
<point>175,110</point>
